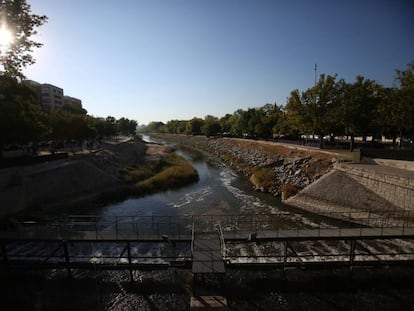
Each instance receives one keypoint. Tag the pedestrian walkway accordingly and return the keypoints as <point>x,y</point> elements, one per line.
<point>207,254</point>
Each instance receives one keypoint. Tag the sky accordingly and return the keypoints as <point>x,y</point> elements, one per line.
<point>161,60</point>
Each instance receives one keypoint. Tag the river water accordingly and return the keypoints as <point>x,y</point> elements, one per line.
<point>219,191</point>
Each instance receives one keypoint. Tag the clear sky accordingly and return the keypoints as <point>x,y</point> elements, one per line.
<point>159,60</point>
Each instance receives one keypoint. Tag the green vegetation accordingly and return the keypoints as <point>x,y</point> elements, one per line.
<point>332,107</point>
<point>169,172</point>
<point>18,18</point>
<point>21,111</point>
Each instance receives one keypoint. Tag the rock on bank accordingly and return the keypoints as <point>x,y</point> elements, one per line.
<point>65,183</point>
<point>271,167</point>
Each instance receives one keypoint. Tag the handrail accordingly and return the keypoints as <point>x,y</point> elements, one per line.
<point>222,242</point>
<point>192,237</point>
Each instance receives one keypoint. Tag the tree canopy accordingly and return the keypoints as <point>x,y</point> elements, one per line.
<point>18,20</point>
<point>332,107</point>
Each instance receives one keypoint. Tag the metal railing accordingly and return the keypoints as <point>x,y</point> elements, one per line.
<point>182,227</point>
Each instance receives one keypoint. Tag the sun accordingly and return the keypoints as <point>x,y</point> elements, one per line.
<point>6,38</point>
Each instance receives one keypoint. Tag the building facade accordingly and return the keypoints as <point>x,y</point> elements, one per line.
<point>52,96</point>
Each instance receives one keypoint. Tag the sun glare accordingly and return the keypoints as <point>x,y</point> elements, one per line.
<point>6,38</point>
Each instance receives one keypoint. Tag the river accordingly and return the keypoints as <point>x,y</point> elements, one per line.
<point>219,191</point>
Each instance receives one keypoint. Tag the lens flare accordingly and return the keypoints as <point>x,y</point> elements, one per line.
<point>6,38</point>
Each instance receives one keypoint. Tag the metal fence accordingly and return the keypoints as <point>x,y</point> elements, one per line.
<point>181,227</point>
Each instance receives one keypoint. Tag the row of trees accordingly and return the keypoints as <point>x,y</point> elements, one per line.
<point>23,119</point>
<point>331,107</point>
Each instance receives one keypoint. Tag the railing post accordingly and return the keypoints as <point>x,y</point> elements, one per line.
<point>67,258</point>
<point>285,255</point>
<point>131,275</point>
<point>352,255</point>
<point>116,227</point>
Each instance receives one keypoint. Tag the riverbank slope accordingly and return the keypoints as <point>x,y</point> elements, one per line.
<point>271,168</point>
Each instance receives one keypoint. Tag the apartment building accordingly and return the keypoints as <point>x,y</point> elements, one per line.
<point>52,96</point>
<point>67,100</point>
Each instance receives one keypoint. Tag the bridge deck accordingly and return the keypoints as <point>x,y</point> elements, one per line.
<point>207,254</point>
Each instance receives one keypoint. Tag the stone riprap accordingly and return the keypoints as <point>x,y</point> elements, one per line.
<point>288,166</point>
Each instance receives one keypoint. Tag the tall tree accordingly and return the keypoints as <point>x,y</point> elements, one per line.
<point>319,102</point>
<point>359,107</point>
<point>21,116</point>
<point>296,120</point>
<point>401,110</point>
<point>211,126</point>
<point>16,19</point>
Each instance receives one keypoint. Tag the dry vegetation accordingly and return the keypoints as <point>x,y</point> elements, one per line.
<point>160,170</point>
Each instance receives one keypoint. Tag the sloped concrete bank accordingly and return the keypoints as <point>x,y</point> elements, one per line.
<point>76,181</point>
<point>370,194</point>
<point>271,168</point>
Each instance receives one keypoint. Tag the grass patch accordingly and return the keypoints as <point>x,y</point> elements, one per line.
<point>169,172</point>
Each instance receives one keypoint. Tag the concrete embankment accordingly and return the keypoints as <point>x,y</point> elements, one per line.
<point>363,190</point>
<point>74,181</point>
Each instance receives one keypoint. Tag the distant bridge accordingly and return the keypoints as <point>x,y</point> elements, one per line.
<point>201,244</point>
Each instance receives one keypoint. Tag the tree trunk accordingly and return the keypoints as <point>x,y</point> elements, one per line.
<point>321,141</point>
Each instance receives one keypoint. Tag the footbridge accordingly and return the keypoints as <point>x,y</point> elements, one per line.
<point>205,244</point>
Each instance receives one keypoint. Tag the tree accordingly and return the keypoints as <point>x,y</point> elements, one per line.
<point>319,104</point>
<point>397,111</point>
<point>21,116</point>
<point>126,126</point>
<point>295,117</point>
<point>211,126</point>
<point>359,107</point>
<point>194,126</point>
<point>16,16</point>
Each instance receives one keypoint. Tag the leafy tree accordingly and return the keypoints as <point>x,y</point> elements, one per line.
<point>396,110</point>
<point>270,115</point>
<point>21,116</point>
<point>405,100</point>
<point>359,107</point>
<point>176,126</point>
<point>75,108</point>
<point>211,126</point>
<point>17,16</point>
<point>319,102</point>
<point>155,127</point>
<point>194,126</point>
<point>126,126</point>
<point>296,119</point>
<point>225,123</point>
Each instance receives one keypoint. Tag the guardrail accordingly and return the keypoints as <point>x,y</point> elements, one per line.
<point>181,227</point>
